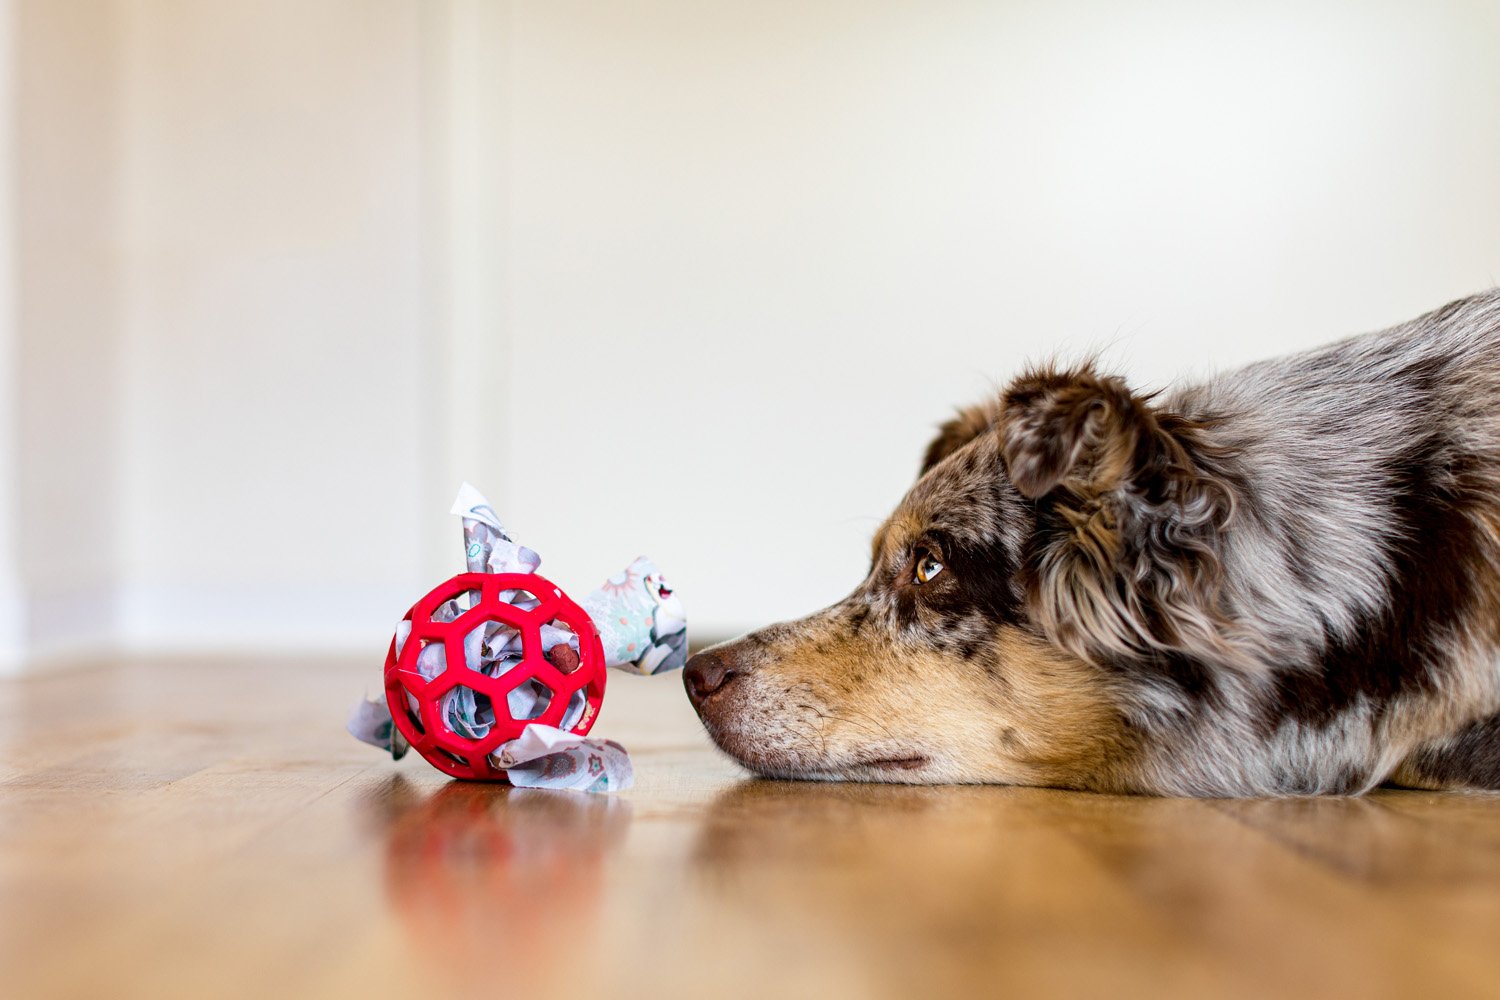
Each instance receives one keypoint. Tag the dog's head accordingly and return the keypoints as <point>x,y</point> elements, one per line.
<point>1053,532</point>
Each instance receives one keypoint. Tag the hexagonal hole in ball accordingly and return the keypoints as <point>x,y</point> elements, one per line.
<point>456,605</point>
<point>492,647</point>
<point>468,713</point>
<point>528,700</point>
<point>414,711</point>
<point>523,599</point>
<point>573,714</point>
<point>432,658</point>
<point>561,645</point>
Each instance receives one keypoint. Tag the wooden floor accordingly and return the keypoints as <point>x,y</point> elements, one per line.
<point>197,829</point>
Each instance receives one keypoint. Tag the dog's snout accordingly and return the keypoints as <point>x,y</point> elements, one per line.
<point>707,673</point>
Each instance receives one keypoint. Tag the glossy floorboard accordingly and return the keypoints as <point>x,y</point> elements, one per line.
<point>196,829</point>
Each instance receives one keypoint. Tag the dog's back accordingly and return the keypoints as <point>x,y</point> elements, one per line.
<point>1362,564</point>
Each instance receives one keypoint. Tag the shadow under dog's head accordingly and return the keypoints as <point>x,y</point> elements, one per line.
<point>1063,526</point>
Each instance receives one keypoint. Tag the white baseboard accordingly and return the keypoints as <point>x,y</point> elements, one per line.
<point>47,632</point>
<point>12,633</point>
<point>236,618</point>
<point>41,630</point>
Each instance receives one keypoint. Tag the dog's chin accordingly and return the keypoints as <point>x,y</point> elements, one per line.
<point>907,771</point>
<point>900,770</point>
<point>784,763</point>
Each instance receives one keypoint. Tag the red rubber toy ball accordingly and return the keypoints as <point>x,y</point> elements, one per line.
<point>552,689</point>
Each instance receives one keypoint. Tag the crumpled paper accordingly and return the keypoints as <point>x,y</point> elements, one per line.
<point>544,757</point>
<point>641,627</point>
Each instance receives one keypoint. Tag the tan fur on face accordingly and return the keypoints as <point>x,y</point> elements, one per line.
<point>971,699</point>
<point>825,698</point>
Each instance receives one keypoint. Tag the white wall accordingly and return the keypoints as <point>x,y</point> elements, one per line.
<point>277,398</point>
<point>13,645</point>
<point>757,250</point>
<point>693,279</point>
<point>62,267</point>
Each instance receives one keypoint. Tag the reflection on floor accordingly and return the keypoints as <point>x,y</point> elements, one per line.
<point>206,828</point>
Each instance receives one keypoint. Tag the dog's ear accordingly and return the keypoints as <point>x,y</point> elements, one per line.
<point>966,425</point>
<point>1083,430</point>
<point>1132,499</point>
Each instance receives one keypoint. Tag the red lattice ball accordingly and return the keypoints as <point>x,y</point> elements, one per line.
<point>416,702</point>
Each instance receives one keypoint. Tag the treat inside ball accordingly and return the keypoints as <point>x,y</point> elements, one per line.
<point>482,657</point>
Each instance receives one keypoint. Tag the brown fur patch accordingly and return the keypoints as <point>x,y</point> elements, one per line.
<point>966,425</point>
<point>1110,473</point>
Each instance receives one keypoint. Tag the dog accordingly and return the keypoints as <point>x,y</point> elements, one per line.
<point>1281,581</point>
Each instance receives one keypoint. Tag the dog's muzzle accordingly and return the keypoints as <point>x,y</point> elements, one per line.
<point>708,675</point>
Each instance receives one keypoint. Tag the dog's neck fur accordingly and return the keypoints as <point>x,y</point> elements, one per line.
<point>1357,585</point>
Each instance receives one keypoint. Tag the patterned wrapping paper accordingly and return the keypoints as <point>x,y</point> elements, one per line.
<point>641,627</point>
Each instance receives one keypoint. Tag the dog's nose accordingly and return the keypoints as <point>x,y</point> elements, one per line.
<point>706,673</point>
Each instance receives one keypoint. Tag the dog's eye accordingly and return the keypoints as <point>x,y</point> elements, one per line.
<point>927,567</point>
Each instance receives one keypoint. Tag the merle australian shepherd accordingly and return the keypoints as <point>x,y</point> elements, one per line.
<point>1282,581</point>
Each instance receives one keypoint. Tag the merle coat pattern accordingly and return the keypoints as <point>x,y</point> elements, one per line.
<point>1284,580</point>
